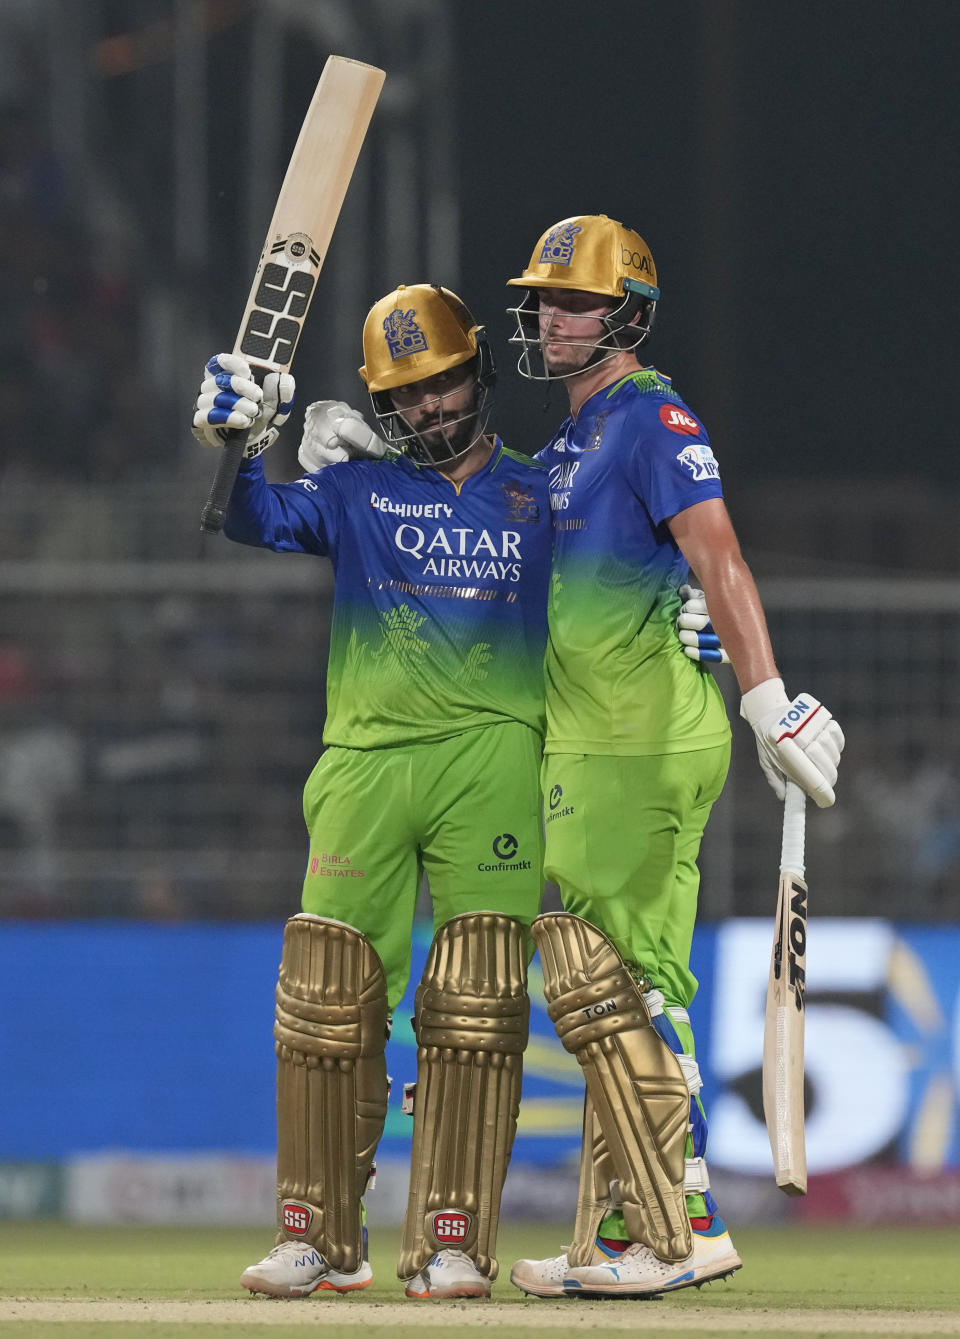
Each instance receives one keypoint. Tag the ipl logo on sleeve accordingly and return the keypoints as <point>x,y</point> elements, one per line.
<point>558,244</point>
<point>403,335</point>
<point>700,461</point>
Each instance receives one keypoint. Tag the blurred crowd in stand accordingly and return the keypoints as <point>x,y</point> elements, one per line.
<point>153,746</point>
<point>70,321</point>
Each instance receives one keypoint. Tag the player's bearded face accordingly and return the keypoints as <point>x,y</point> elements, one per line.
<point>571,327</point>
<point>441,410</point>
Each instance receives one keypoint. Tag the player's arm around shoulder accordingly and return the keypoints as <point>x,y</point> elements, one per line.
<point>335,434</point>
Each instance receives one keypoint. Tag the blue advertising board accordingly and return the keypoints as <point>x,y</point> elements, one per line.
<point>158,1039</point>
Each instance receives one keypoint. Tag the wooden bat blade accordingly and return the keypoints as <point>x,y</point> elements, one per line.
<point>783,1106</point>
<point>305,215</point>
<point>306,212</point>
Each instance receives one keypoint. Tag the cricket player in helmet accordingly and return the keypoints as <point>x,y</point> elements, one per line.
<point>638,745</point>
<point>433,741</point>
<point>607,285</point>
<point>429,371</point>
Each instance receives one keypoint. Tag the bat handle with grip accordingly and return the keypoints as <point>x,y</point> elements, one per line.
<point>215,511</point>
<point>794,830</point>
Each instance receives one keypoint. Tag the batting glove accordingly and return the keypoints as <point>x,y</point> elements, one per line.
<point>333,432</point>
<point>695,630</point>
<point>797,741</point>
<point>230,398</point>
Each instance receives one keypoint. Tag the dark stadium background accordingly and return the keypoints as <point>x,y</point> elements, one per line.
<point>795,172</point>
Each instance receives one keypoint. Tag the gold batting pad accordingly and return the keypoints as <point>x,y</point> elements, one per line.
<point>594,1198</point>
<point>472,1016</point>
<point>331,1034</point>
<point>634,1080</point>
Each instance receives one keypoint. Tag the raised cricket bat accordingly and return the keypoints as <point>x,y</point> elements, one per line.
<point>783,1026</point>
<point>305,216</point>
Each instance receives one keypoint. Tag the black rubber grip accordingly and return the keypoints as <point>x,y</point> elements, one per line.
<point>215,512</point>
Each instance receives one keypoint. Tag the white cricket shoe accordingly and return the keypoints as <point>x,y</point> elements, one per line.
<point>295,1269</point>
<point>637,1272</point>
<point>544,1278</point>
<point>448,1274</point>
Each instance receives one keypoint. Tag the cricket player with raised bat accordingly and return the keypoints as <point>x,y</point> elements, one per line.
<point>636,753</point>
<point>440,548</point>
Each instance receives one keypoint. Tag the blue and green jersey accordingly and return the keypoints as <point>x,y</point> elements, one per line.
<point>439,613</point>
<point>617,679</point>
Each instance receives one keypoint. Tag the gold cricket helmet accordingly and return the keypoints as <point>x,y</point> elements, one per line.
<point>594,254</point>
<point>416,332</point>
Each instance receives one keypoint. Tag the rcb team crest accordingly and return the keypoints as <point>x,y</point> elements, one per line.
<point>521,505</point>
<point>599,427</point>
<point>404,336</point>
<point>558,244</point>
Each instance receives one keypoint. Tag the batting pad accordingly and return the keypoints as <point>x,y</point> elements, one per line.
<point>331,1034</point>
<point>594,1199</point>
<point>634,1080</point>
<point>472,1017</point>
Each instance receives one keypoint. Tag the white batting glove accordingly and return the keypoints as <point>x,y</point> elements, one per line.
<point>695,630</point>
<point>333,432</point>
<point>230,398</point>
<point>797,741</point>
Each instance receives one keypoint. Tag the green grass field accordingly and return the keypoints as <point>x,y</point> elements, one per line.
<point>65,1282</point>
